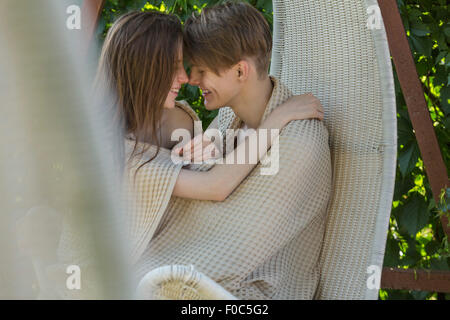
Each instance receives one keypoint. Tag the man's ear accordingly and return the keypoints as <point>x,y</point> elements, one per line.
<point>243,70</point>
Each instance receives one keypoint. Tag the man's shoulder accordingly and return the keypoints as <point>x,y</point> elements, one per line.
<point>306,131</point>
<point>306,124</point>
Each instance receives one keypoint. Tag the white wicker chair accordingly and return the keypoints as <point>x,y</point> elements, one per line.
<point>327,47</point>
<point>180,283</point>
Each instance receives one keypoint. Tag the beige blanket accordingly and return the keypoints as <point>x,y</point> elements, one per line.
<point>264,240</point>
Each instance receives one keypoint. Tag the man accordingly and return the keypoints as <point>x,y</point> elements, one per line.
<point>264,240</point>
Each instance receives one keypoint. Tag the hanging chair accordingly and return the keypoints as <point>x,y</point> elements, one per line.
<point>338,51</point>
<point>180,283</point>
<point>329,48</point>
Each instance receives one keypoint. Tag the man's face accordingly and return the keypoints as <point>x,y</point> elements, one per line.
<point>218,90</point>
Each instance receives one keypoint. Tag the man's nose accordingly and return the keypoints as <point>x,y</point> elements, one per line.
<point>194,80</point>
<point>183,77</point>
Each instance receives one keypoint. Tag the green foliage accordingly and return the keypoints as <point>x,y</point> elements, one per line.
<point>415,236</point>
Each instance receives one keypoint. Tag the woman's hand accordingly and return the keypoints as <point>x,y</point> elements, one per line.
<point>304,106</point>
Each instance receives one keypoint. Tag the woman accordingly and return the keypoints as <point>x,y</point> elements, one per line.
<point>142,62</point>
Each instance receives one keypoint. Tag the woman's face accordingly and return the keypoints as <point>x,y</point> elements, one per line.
<point>180,78</point>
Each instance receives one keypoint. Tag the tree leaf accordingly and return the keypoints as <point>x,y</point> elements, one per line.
<point>392,253</point>
<point>447,31</point>
<point>440,77</point>
<point>431,247</point>
<point>408,158</point>
<point>419,28</point>
<point>421,45</point>
<point>420,295</point>
<point>414,215</point>
<point>402,186</point>
<point>439,264</point>
<point>404,130</point>
<point>445,96</point>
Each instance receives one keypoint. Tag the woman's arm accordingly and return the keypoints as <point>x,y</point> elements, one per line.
<point>219,182</point>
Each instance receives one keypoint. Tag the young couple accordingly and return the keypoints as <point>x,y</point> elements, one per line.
<point>259,236</point>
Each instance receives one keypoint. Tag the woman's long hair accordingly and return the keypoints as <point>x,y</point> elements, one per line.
<point>136,70</point>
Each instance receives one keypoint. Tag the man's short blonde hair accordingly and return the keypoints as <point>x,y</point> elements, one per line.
<point>222,35</point>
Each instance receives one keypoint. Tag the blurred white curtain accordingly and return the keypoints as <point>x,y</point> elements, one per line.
<point>56,156</point>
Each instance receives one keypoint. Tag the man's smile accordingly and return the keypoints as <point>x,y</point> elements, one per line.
<point>205,92</point>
